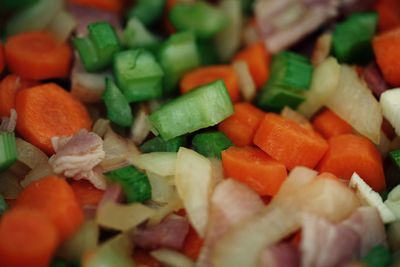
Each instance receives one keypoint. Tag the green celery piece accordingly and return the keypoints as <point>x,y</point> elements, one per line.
<point>201,18</point>
<point>291,70</point>
<point>87,53</point>
<point>211,144</point>
<point>207,52</point>
<point>134,183</point>
<point>378,256</point>
<point>352,38</point>
<point>3,205</point>
<point>395,157</point>
<point>147,11</point>
<point>35,17</point>
<point>8,150</point>
<point>118,109</point>
<point>157,144</point>
<point>137,36</point>
<point>275,98</point>
<point>177,56</point>
<point>138,74</point>
<point>200,108</point>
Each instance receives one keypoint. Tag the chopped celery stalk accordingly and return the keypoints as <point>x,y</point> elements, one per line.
<point>137,36</point>
<point>138,74</point>
<point>157,144</point>
<point>35,17</point>
<point>204,107</point>
<point>3,205</point>
<point>352,38</point>
<point>211,144</point>
<point>177,56</point>
<point>207,52</point>
<point>147,11</point>
<point>135,184</point>
<point>98,48</point>
<point>275,98</point>
<point>395,157</point>
<point>201,18</point>
<point>118,109</point>
<point>8,150</point>
<point>378,256</point>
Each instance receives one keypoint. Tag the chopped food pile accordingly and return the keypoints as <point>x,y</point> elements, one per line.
<point>208,133</point>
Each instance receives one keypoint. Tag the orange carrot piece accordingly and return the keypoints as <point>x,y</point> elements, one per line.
<point>37,56</point>
<point>204,75</point>
<point>242,125</point>
<point>2,59</point>
<point>28,238</point>
<point>54,197</point>
<point>193,244</point>
<point>328,124</point>
<point>114,6</point>
<point>350,153</point>
<point>289,142</point>
<point>47,110</point>
<point>389,14</point>
<point>8,90</point>
<point>388,55</point>
<point>255,168</point>
<point>257,59</point>
<point>86,193</point>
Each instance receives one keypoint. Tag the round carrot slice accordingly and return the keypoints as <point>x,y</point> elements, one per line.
<point>37,56</point>
<point>47,110</point>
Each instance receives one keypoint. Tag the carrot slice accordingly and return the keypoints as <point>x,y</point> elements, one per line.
<point>254,168</point>
<point>257,59</point>
<point>28,238</point>
<point>204,75</point>
<point>350,153</point>
<point>2,60</point>
<point>389,14</point>
<point>388,55</point>
<point>328,124</point>
<point>86,193</point>
<point>37,56</point>
<point>242,125</point>
<point>114,6</point>
<point>289,142</point>
<point>193,244</point>
<point>47,110</point>
<point>54,197</point>
<point>8,90</point>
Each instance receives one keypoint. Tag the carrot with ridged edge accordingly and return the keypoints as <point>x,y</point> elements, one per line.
<point>28,238</point>
<point>255,168</point>
<point>115,6</point>
<point>8,90</point>
<point>47,110</point>
<point>290,143</point>
<point>242,125</point>
<point>86,193</point>
<point>328,124</point>
<point>37,56</point>
<point>193,244</point>
<point>387,55</point>
<point>389,14</point>
<point>208,74</point>
<point>257,59</point>
<point>2,59</point>
<point>351,153</point>
<point>54,197</point>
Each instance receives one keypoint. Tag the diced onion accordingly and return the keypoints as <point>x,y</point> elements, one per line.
<point>40,171</point>
<point>161,211</point>
<point>354,103</point>
<point>295,116</point>
<point>246,83</point>
<point>322,49</point>
<point>390,107</point>
<point>9,186</point>
<point>29,154</point>
<point>217,170</point>
<point>172,258</point>
<point>100,127</point>
<point>161,190</point>
<point>161,163</point>
<point>141,126</point>
<point>62,25</point>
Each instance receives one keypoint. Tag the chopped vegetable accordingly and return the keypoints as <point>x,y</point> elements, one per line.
<point>211,144</point>
<point>322,49</point>
<point>114,6</point>
<point>118,109</point>
<point>157,144</point>
<point>137,36</point>
<point>30,155</point>
<point>8,150</point>
<point>247,86</point>
<point>206,106</point>
<point>388,12</point>
<point>135,184</point>
<point>86,193</point>
<point>388,101</point>
<point>161,189</point>
<point>172,258</point>
<point>147,11</point>
<point>161,163</point>
<point>378,256</point>
<point>392,201</point>
<point>62,25</point>
<point>328,124</point>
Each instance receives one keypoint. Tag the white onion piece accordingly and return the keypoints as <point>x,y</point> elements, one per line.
<point>354,103</point>
<point>62,25</point>
<point>172,258</point>
<point>246,83</point>
<point>228,40</point>
<point>19,169</point>
<point>295,116</point>
<point>390,107</point>
<point>161,163</point>
<point>122,217</point>
<point>325,81</point>
<point>161,211</point>
<point>83,241</point>
<point>9,186</point>
<point>100,127</point>
<point>40,171</point>
<point>8,124</point>
<point>193,179</point>
<point>161,190</point>
<point>29,154</point>
<point>217,170</point>
<point>322,49</point>
<point>140,128</point>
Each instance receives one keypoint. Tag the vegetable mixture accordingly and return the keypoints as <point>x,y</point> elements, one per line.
<point>219,133</point>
